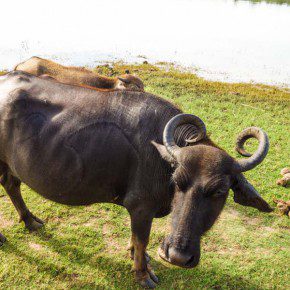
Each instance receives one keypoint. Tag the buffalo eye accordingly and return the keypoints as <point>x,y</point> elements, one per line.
<point>220,193</point>
<point>181,183</point>
<point>216,193</point>
<point>181,179</point>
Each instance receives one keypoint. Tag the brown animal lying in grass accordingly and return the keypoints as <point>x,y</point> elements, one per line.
<point>283,206</point>
<point>285,180</point>
<point>79,76</point>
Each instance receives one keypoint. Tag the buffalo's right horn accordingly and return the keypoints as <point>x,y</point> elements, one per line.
<point>257,157</point>
<point>181,119</point>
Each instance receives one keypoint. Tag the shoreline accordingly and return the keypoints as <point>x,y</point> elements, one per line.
<point>166,66</point>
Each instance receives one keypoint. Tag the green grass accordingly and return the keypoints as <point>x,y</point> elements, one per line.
<point>85,247</point>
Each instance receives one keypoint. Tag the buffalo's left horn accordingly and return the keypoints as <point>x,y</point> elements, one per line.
<point>178,120</point>
<point>124,80</point>
<point>257,157</point>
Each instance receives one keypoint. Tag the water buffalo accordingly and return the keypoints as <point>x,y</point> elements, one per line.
<point>79,76</point>
<point>78,146</point>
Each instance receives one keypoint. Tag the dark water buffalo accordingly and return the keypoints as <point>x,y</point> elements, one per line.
<point>78,146</point>
<point>78,76</point>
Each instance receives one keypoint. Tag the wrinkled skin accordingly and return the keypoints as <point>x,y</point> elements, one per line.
<point>78,76</point>
<point>78,146</point>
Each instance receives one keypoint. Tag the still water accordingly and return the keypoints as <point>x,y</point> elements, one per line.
<point>222,39</point>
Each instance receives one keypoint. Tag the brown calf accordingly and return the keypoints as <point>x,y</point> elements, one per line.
<point>78,76</point>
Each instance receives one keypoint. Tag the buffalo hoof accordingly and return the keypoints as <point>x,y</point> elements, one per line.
<point>2,239</point>
<point>33,223</point>
<point>147,280</point>
<point>147,283</point>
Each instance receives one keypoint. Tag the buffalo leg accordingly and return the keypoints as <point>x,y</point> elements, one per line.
<point>2,170</point>
<point>12,186</point>
<point>2,239</point>
<point>141,226</point>
<point>131,251</point>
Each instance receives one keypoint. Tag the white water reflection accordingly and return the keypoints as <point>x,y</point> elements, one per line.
<point>226,40</point>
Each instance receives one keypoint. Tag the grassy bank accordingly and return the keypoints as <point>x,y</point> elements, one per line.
<point>85,247</point>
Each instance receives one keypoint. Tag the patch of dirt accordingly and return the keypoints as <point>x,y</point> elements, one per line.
<point>113,246</point>
<point>230,212</point>
<point>111,239</point>
<point>5,198</point>
<point>56,220</point>
<point>107,229</point>
<point>4,223</point>
<point>36,247</point>
<point>252,221</point>
<point>234,250</point>
<point>269,229</point>
<point>93,222</point>
<point>222,245</point>
<point>263,251</point>
<point>43,250</point>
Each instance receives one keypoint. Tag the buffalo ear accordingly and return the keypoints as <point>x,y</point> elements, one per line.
<point>245,194</point>
<point>47,77</point>
<point>123,80</point>
<point>164,153</point>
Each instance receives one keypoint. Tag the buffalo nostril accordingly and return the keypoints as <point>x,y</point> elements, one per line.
<point>181,259</point>
<point>191,261</point>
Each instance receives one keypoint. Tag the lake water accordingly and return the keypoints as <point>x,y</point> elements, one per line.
<point>236,41</point>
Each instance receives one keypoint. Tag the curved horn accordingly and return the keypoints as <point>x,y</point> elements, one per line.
<point>181,119</point>
<point>123,80</point>
<point>257,157</point>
